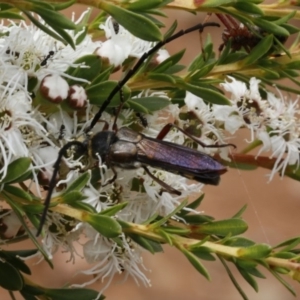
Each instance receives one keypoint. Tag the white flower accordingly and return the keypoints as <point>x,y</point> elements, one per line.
<point>121,44</point>
<point>109,259</point>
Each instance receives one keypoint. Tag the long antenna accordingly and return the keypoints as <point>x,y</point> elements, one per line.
<point>131,72</point>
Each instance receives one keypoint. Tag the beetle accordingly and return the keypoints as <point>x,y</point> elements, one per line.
<point>128,149</point>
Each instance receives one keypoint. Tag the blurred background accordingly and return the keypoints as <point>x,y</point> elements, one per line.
<point>272,215</point>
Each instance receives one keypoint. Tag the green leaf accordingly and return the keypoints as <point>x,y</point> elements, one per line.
<point>79,183</point>
<point>290,244</point>
<point>34,208</point>
<point>248,8</point>
<point>252,282</point>
<point>204,70</point>
<point>71,294</point>
<point>198,219</point>
<point>107,226</point>
<point>283,282</point>
<point>285,255</point>
<point>12,258</point>
<point>98,93</point>
<point>143,5</point>
<point>71,197</point>
<point>240,212</point>
<point>89,67</point>
<point>170,61</point>
<point>112,211</point>
<point>19,212</point>
<point>196,263</point>
<point>10,277</point>
<point>239,242</point>
<point>257,251</point>
<point>63,5</point>
<point>270,27</point>
<point>223,227</point>
<point>259,50</point>
<point>208,95</point>
<point>147,244</point>
<point>16,169</point>
<point>203,253</point>
<point>17,192</point>
<point>193,205</point>
<point>135,23</point>
<point>83,206</point>
<point>162,77</point>
<point>10,15</point>
<point>149,104</point>
<point>53,18</point>
<point>47,30</point>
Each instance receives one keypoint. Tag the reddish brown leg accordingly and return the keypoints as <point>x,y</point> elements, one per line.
<point>167,187</point>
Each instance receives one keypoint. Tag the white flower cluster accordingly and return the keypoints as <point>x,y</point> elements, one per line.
<point>272,120</point>
<point>27,53</point>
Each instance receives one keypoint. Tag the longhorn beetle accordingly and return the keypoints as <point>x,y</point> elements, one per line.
<point>128,149</point>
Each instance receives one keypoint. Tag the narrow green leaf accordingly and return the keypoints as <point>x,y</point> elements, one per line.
<point>196,263</point>
<point>270,27</point>
<point>147,244</point>
<point>98,93</point>
<point>89,67</point>
<point>232,278</point>
<point>204,70</point>
<point>252,282</point>
<point>150,104</point>
<point>72,196</point>
<point>198,219</point>
<point>171,30</point>
<point>257,251</point>
<point>259,50</point>
<point>193,205</point>
<point>143,5</point>
<point>239,242</point>
<point>162,77</point>
<point>10,15</point>
<point>165,236</point>
<point>16,169</point>
<point>12,258</point>
<point>248,8</point>
<point>240,212</point>
<point>10,277</point>
<point>17,192</point>
<point>207,94</point>
<point>79,183</point>
<point>285,255</point>
<point>35,208</point>
<point>223,227</point>
<point>63,5</point>
<point>170,61</point>
<point>43,27</point>
<point>290,244</point>
<point>54,18</point>
<point>137,24</point>
<point>18,211</point>
<point>283,282</point>
<point>203,253</point>
<point>107,226</point>
<point>71,294</point>
<point>112,211</point>
<point>84,206</point>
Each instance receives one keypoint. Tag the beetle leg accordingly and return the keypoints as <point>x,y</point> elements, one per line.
<point>167,187</point>
<point>165,130</point>
<point>111,180</point>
